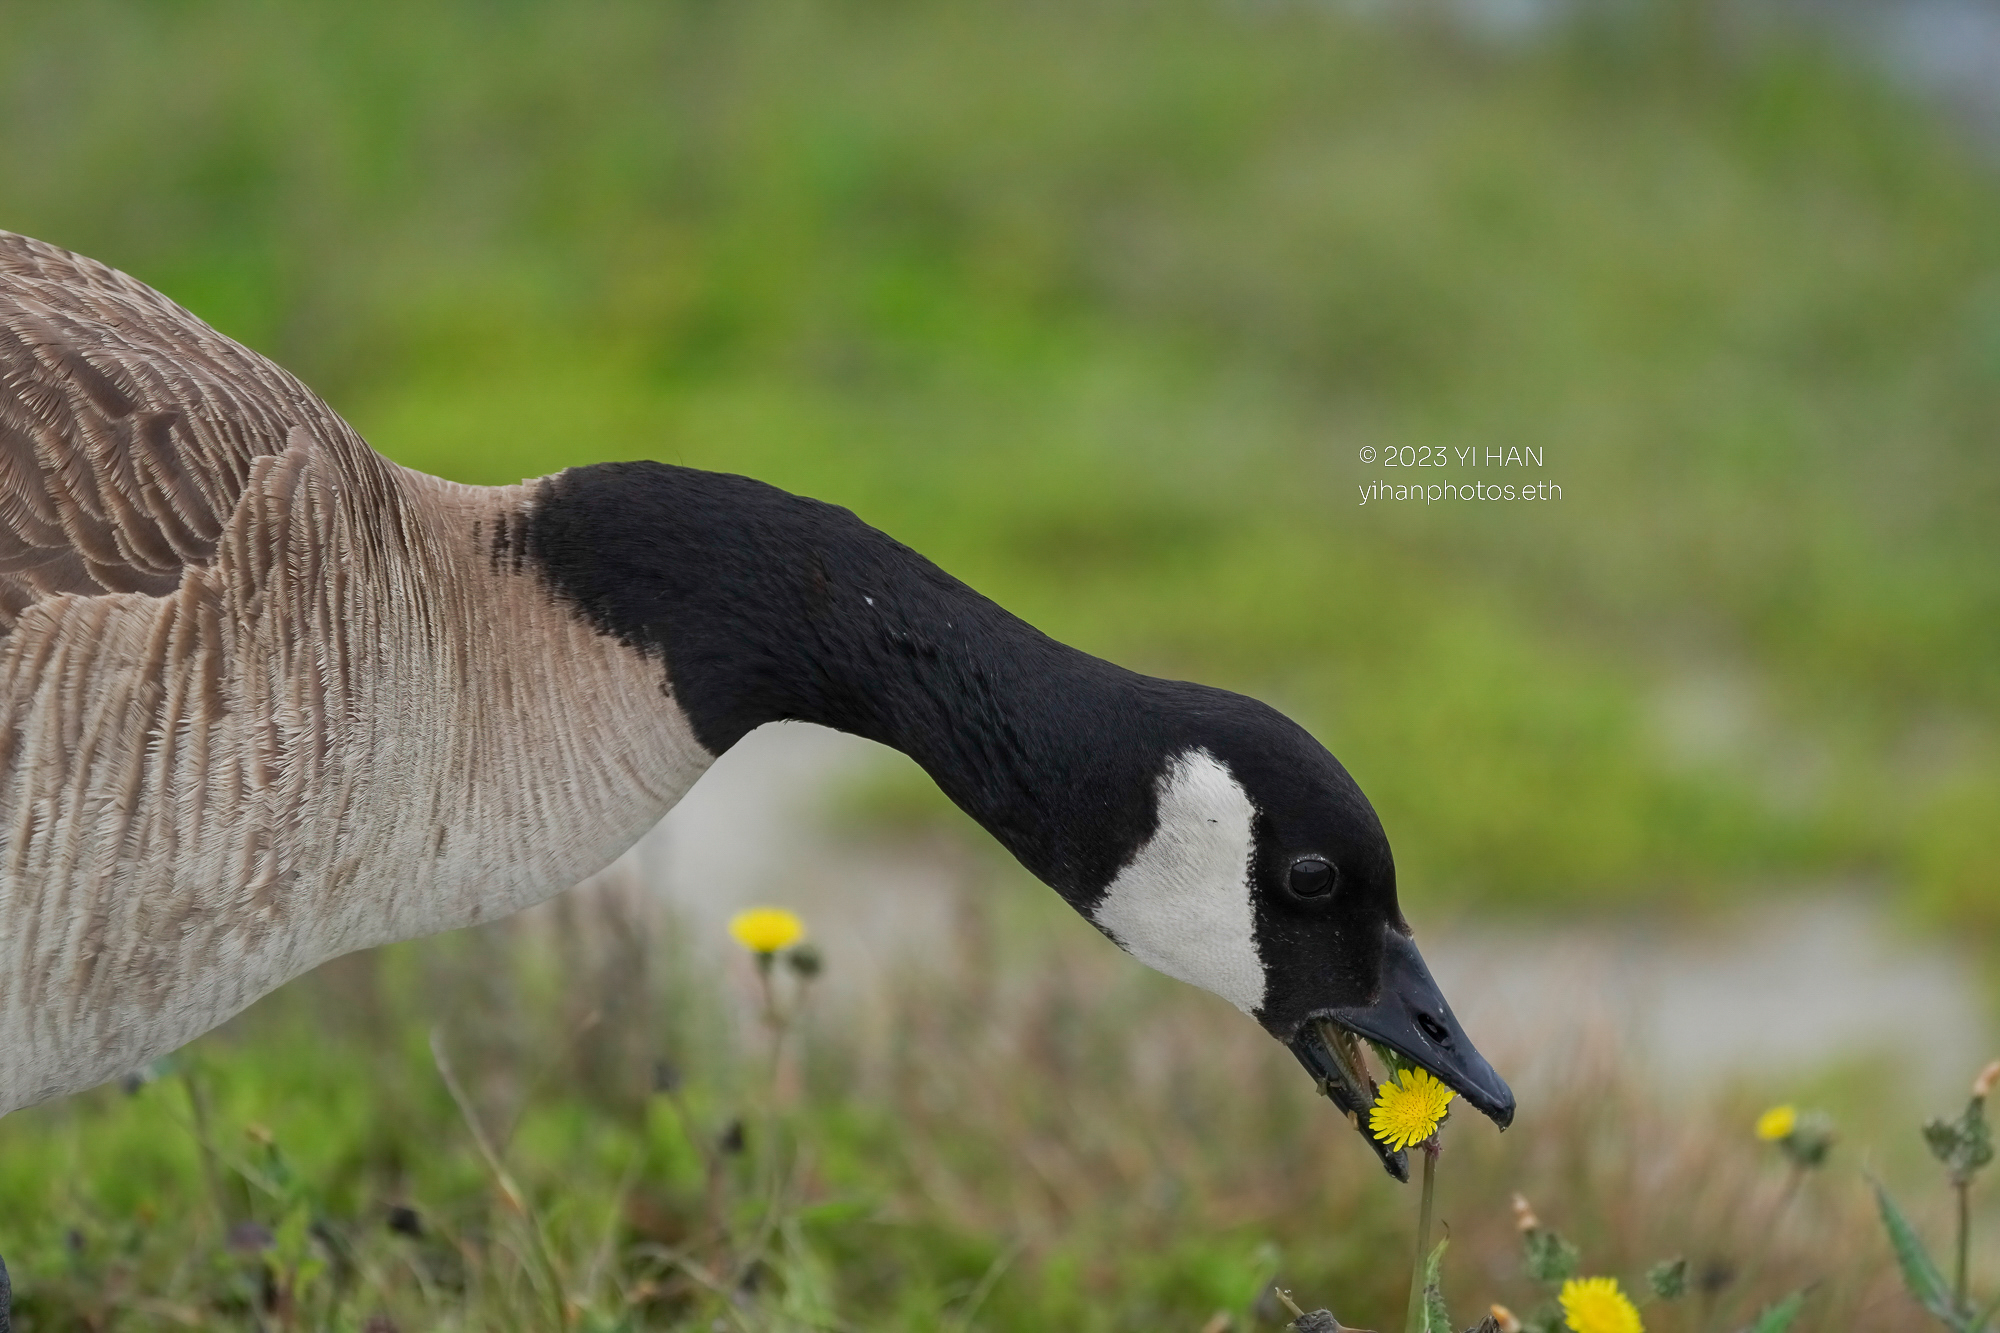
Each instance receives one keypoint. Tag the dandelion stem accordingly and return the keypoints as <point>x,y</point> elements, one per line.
<point>1768,1231</point>
<point>769,993</point>
<point>1413,1318</point>
<point>1958,1286</point>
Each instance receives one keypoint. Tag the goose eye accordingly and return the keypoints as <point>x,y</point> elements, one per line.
<point>1312,877</point>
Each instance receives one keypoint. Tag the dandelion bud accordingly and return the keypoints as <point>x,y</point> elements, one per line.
<point>1811,1139</point>
<point>1982,1087</point>
<point>1503,1317</point>
<point>1964,1145</point>
<point>1715,1275</point>
<point>805,962</point>
<point>1524,1216</point>
<point>1549,1257</point>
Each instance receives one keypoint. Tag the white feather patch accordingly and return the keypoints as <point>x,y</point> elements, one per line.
<point>1182,905</point>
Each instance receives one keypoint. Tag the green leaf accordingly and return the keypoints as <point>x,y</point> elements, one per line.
<point>310,1270</point>
<point>1436,1319</point>
<point>1920,1275</point>
<point>1778,1317</point>
<point>291,1239</point>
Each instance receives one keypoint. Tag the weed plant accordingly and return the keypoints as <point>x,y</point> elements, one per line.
<point>574,1122</point>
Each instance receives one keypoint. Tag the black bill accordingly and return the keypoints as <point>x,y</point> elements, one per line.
<point>1411,1018</point>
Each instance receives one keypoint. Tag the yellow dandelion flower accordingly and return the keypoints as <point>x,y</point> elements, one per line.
<point>1777,1123</point>
<point>1408,1110</point>
<point>1596,1305</point>
<point>765,930</point>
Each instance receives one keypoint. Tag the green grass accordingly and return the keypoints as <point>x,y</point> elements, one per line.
<point>1026,1132</point>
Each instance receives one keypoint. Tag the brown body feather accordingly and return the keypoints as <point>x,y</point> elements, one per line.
<point>265,697</point>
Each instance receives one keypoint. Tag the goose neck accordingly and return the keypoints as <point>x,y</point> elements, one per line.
<point>764,606</point>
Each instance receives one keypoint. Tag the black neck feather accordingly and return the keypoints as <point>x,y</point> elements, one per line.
<point>765,606</point>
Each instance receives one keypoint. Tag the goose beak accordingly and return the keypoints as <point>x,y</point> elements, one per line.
<point>1333,1057</point>
<point>1411,1018</point>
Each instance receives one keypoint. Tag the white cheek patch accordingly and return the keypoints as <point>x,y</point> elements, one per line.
<point>1182,906</point>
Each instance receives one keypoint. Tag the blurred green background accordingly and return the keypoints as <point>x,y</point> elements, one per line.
<point>1097,304</point>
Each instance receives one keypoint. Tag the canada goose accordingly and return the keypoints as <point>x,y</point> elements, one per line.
<point>270,698</point>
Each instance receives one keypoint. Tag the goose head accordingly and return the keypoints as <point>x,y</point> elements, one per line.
<point>1266,878</point>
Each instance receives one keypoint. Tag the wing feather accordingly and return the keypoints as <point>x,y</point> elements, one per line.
<point>129,430</point>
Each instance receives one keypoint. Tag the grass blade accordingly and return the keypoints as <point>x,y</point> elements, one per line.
<point>1778,1317</point>
<point>510,1193</point>
<point>961,1318</point>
